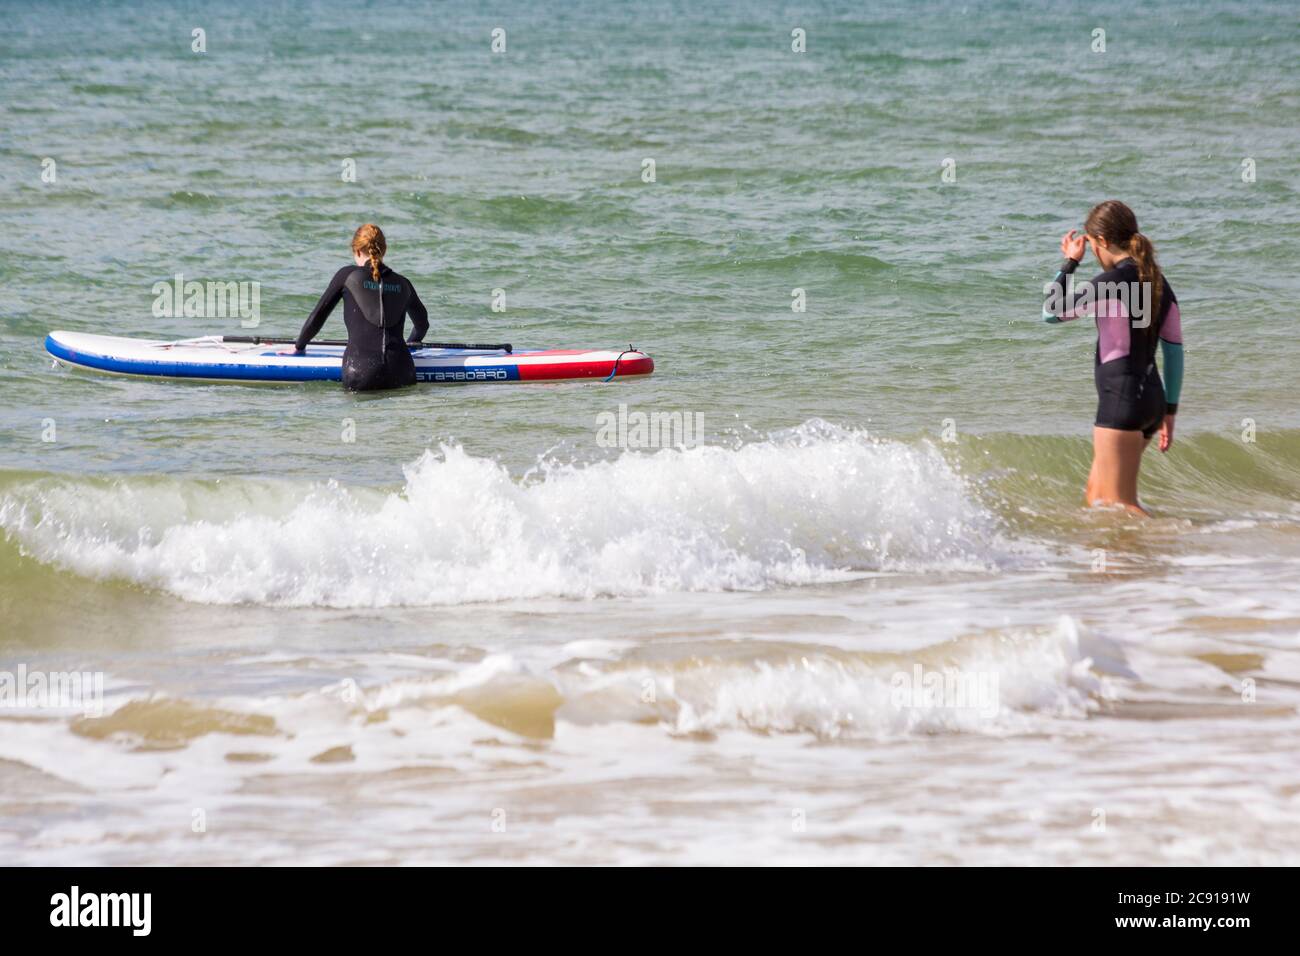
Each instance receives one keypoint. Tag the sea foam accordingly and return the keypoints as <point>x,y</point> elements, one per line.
<point>811,504</point>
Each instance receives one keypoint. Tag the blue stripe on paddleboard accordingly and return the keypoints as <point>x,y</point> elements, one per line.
<point>231,371</point>
<point>265,373</point>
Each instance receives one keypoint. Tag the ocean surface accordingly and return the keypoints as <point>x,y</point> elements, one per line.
<point>451,625</point>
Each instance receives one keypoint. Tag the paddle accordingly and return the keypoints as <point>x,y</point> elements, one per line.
<point>259,340</point>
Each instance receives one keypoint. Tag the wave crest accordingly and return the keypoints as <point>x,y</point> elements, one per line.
<point>812,504</point>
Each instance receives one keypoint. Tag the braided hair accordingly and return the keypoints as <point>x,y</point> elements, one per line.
<point>369,241</point>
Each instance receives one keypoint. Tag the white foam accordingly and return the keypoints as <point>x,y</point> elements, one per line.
<point>814,504</point>
<point>1028,676</point>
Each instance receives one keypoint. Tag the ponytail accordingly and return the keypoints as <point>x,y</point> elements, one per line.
<point>1144,254</point>
<point>369,241</point>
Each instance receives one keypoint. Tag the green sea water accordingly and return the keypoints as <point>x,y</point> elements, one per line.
<point>894,469</point>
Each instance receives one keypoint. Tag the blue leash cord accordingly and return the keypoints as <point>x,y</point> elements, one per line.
<point>630,348</point>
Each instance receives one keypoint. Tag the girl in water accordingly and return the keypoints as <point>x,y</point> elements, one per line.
<point>376,303</point>
<point>1134,307</point>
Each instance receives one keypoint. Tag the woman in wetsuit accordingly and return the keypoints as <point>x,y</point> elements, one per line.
<point>1134,308</point>
<point>376,356</point>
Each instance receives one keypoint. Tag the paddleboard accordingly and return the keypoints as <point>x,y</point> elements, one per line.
<point>210,359</point>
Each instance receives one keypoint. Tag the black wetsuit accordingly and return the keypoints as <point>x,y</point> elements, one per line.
<point>376,356</point>
<point>1130,393</point>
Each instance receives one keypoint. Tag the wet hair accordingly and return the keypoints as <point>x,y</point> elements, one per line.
<point>1116,223</point>
<point>369,241</point>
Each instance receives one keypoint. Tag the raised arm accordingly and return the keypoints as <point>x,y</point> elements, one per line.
<point>1064,299</point>
<point>419,316</point>
<point>324,307</point>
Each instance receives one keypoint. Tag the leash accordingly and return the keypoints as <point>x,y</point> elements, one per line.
<point>630,348</point>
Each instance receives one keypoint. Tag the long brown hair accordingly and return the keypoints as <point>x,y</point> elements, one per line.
<point>369,241</point>
<point>1116,223</point>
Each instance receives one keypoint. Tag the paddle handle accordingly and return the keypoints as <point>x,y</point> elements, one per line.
<point>261,340</point>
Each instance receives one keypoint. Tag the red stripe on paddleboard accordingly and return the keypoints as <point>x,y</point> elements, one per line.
<point>629,365</point>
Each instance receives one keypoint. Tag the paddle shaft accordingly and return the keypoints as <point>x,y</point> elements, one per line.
<point>259,340</point>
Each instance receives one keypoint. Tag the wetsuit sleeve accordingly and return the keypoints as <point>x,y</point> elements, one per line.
<point>1171,352</point>
<point>419,316</point>
<point>324,307</point>
<point>1064,300</point>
